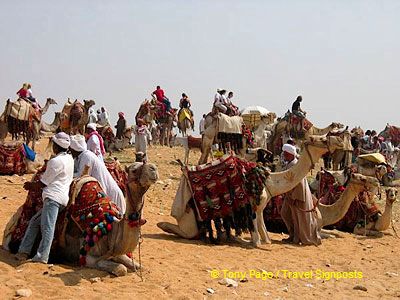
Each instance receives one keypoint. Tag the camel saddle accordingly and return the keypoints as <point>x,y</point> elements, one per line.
<point>12,158</point>
<point>184,114</point>
<point>294,124</point>
<point>228,124</point>
<point>22,110</point>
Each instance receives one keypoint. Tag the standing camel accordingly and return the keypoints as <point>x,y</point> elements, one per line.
<point>166,128</point>
<point>30,128</point>
<point>74,119</point>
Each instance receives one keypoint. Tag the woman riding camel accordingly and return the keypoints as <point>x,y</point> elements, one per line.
<point>185,103</point>
<point>23,92</point>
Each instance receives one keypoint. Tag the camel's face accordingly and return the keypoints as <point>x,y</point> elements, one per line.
<point>89,103</point>
<point>391,195</point>
<point>337,125</point>
<point>380,170</point>
<point>144,173</point>
<point>370,183</point>
<point>51,101</point>
<point>331,143</point>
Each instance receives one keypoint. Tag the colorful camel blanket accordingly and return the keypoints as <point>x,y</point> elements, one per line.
<point>184,114</point>
<point>219,188</point>
<point>12,159</point>
<point>91,210</point>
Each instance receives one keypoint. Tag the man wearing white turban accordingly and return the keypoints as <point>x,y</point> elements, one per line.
<point>54,182</point>
<point>95,142</point>
<point>97,169</point>
<point>298,211</point>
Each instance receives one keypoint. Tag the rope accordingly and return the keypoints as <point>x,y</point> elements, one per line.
<point>394,229</point>
<point>140,255</point>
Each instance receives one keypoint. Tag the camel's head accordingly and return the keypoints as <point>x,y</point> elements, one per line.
<point>330,143</point>
<point>144,174</point>
<point>380,170</point>
<point>357,131</point>
<point>336,125</point>
<point>89,103</point>
<point>51,101</point>
<point>391,195</point>
<point>369,183</point>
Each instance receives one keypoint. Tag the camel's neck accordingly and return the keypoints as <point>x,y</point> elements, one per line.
<point>335,212</point>
<point>283,182</point>
<point>385,219</point>
<point>46,107</point>
<point>134,199</point>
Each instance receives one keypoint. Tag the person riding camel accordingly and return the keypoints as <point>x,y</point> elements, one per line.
<point>163,101</point>
<point>297,111</point>
<point>220,102</point>
<point>23,92</point>
<point>185,103</point>
<point>234,110</point>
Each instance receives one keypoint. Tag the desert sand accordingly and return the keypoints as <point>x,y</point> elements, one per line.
<point>183,269</point>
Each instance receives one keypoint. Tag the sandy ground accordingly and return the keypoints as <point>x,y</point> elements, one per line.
<point>183,269</point>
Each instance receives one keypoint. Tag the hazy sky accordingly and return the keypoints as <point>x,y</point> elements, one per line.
<point>342,56</point>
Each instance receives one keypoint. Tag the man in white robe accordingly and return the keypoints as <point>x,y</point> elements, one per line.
<point>95,142</point>
<point>97,170</point>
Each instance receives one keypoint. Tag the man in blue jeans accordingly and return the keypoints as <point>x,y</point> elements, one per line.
<point>55,182</point>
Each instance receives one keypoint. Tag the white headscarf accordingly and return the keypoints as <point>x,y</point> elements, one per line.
<point>78,143</point>
<point>92,126</point>
<point>289,149</point>
<point>61,139</point>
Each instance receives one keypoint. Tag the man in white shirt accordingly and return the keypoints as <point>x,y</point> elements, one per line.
<point>220,101</point>
<point>104,118</point>
<point>201,125</point>
<point>98,170</point>
<point>55,182</point>
<point>95,142</point>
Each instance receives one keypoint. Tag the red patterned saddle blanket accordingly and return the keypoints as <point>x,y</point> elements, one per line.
<point>12,159</point>
<point>218,188</point>
<point>295,121</point>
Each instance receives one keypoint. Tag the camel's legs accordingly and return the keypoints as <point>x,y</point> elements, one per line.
<point>174,229</point>
<point>127,262</point>
<point>262,228</point>
<point>109,266</point>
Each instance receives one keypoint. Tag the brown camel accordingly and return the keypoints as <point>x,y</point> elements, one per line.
<point>75,116</point>
<point>29,129</point>
<point>53,126</point>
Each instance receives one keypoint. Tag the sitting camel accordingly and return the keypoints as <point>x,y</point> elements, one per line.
<point>277,183</point>
<point>108,253</point>
<point>383,221</point>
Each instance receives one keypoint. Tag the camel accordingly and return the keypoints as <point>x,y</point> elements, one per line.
<point>31,131</point>
<point>45,127</point>
<point>75,116</point>
<point>109,254</point>
<point>263,131</point>
<point>393,132</point>
<point>188,143</point>
<point>166,128</point>
<point>277,183</point>
<point>146,111</point>
<point>342,157</point>
<point>375,228</point>
<point>372,227</point>
<point>282,126</point>
<point>331,214</point>
<point>185,124</point>
<point>210,136</point>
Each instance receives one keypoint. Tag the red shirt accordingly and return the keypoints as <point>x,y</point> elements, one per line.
<point>159,94</point>
<point>22,93</point>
